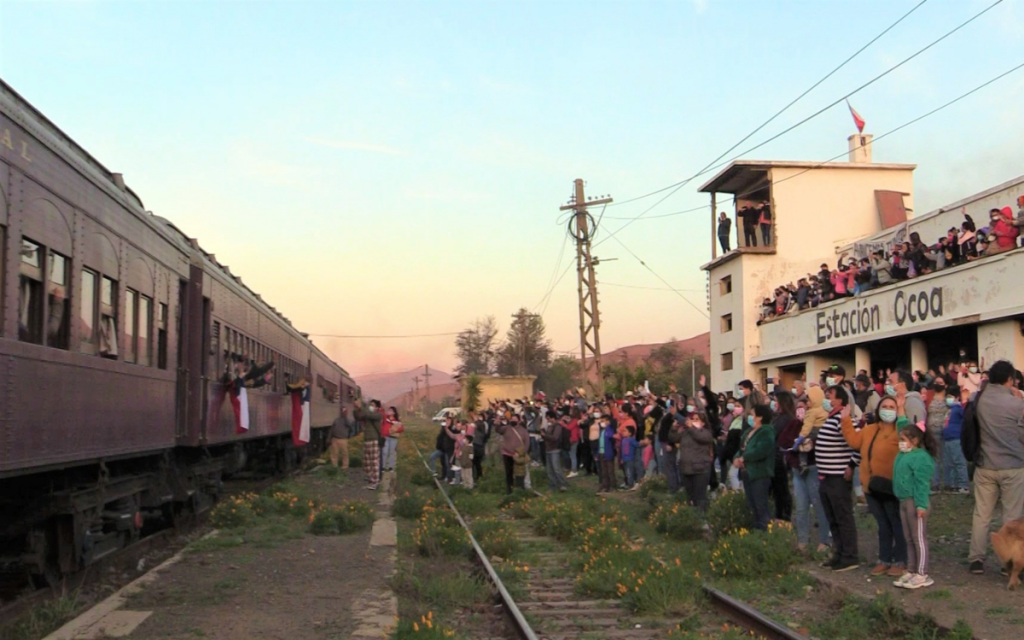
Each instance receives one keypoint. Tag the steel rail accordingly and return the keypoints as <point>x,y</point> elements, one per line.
<point>522,626</point>
<point>737,609</point>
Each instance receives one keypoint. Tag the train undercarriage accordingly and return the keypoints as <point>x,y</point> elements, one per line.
<point>58,522</point>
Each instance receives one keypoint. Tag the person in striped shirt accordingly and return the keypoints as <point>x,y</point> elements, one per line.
<point>836,462</point>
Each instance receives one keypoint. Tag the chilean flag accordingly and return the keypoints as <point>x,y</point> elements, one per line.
<point>240,405</point>
<point>857,120</point>
<point>300,415</point>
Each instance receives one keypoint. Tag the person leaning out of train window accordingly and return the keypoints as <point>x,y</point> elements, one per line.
<point>878,444</point>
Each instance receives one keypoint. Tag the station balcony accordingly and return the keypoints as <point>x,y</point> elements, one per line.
<point>975,293</point>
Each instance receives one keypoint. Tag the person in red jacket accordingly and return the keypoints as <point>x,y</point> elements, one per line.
<point>1004,231</point>
<point>574,441</point>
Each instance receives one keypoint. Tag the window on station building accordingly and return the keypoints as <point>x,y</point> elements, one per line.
<point>725,285</point>
<point>108,318</point>
<point>727,323</point>
<point>727,361</point>
<point>161,336</point>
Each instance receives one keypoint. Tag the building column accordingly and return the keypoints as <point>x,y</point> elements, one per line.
<point>1000,341</point>
<point>861,360</point>
<point>918,355</point>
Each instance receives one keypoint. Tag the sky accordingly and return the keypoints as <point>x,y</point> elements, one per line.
<point>396,168</point>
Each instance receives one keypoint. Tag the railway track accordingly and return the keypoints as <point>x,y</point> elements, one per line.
<point>553,610</point>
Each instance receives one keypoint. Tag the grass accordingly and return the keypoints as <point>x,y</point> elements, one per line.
<point>999,611</point>
<point>938,594</point>
<point>44,619</point>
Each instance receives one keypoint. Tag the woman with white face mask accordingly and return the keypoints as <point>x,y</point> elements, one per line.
<point>878,445</point>
<point>969,377</point>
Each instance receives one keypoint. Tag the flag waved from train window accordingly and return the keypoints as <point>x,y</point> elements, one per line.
<point>300,393</point>
<point>240,405</point>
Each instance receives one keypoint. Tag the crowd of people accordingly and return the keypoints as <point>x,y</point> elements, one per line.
<point>821,446</point>
<point>902,261</point>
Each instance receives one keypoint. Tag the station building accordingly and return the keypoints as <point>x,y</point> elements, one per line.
<point>821,211</point>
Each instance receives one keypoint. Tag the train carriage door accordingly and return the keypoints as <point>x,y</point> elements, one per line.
<point>181,330</point>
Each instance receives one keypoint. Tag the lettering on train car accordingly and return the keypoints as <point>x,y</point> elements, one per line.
<point>11,143</point>
<point>864,318</point>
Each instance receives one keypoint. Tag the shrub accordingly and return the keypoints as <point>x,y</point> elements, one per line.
<point>496,537</point>
<point>355,460</point>
<point>667,590</point>
<point>493,481</point>
<point>346,517</point>
<point>423,629</point>
<point>752,554</point>
<point>518,504</point>
<point>422,479</point>
<point>470,503</point>
<point>730,513</point>
<point>408,506</point>
<point>233,512</point>
<point>558,520</point>
<point>279,503</point>
<point>678,521</point>
<point>605,574</point>
<point>440,534</point>
<point>653,485</point>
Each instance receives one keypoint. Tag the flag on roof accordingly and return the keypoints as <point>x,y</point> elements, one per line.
<point>857,120</point>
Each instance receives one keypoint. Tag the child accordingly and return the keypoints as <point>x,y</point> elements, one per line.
<point>911,483</point>
<point>650,461</point>
<point>628,454</point>
<point>466,462</point>
<point>519,460</point>
<point>814,418</point>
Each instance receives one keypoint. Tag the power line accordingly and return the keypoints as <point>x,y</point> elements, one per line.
<point>665,282</point>
<point>876,139</point>
<point>415,335</point>
<point>678,185</point>
<point>819,164</point>
<point>633,286</point>
<point>794,101</point>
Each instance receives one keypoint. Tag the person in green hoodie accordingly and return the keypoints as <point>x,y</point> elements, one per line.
<point>911,483</point>
<point>757,462</point>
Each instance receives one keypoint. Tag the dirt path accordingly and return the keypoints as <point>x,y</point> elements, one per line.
<point>277,581</point>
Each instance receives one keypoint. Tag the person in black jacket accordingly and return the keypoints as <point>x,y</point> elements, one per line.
<point>724,230</point>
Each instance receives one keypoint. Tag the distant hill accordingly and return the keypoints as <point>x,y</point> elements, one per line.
<point>387,386</point>
<point>699,345</point>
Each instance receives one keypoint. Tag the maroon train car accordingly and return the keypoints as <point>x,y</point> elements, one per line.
<point>115,331</point>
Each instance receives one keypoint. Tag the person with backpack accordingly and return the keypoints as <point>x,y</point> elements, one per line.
<point>553,452</point>
<point>993,438</point>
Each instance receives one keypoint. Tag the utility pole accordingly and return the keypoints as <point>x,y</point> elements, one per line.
<point>521,356</point>
<point>426,376</point>
<point>582,227</point>
<point>416,398</point>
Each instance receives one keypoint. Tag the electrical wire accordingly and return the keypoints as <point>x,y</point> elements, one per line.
<point>634,286</point>
<point>844,153</point>
<point>794,101</point>
<point>678,185</point>
<point>415,335</point>
<point>823,162</point>
<point>663,280</point>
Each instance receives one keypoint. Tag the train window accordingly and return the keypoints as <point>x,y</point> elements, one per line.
<point>215,350</point>
<point>108,318</point>
<point>130,304</point>
<point>145,319</point>
<point>161,336</point>
<point>58,314</point>
<point>87,312</point>
<point>3,243</point>
<point>30,300</point>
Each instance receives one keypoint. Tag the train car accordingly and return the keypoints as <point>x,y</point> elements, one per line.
<point>115,332</point>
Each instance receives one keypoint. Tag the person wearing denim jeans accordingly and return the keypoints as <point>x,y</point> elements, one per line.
<point>954,464</point>
<point>806,494</point>
<point>552,436</point>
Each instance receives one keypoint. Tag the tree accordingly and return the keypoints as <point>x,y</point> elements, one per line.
<point>472,395</point>
<point>475,347</point>
<point>526,351</point>
<point>564,373</point>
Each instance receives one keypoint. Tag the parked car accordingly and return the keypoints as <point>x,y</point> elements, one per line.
<point>447,412</point>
